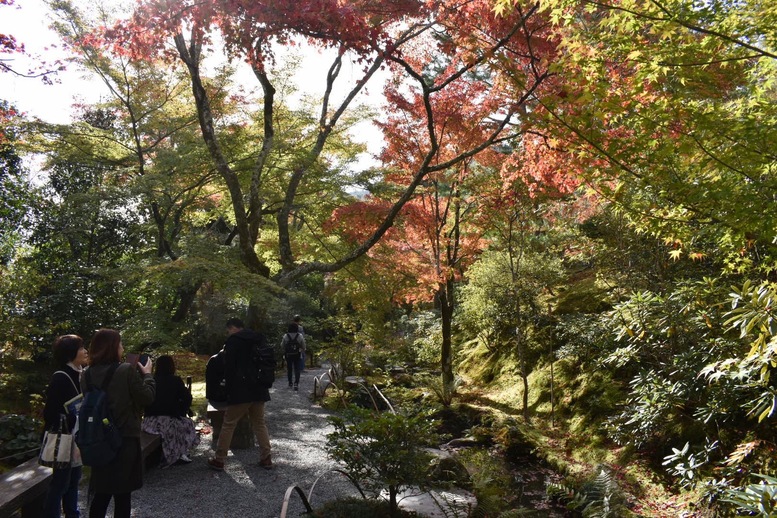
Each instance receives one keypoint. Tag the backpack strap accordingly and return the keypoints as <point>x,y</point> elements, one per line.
<point>109,376</point>
<point>106,381</point>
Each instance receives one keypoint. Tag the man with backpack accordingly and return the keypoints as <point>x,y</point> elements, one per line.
<point>246,392</point>
<point>298,320</point>
<point>293,344</point>
<point>215,384</point>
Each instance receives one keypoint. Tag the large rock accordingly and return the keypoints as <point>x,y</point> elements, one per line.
<point>447,469</point>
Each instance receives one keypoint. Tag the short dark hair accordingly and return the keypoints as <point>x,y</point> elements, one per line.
<point>235,322</point>
<point>66,348</point>
<point>293,328</point>
<point>104,347</point>
<point>165,365</point>
<point>297,318</point>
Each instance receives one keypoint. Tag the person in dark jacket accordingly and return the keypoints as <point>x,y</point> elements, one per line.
<point>168,415</point>
<point>293,345</point>
<point>244,395</point>
<point>131,388</point>
<point>298,320</point>
<point>70,355</point>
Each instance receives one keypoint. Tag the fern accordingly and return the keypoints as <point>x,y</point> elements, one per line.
<point>599,498</point>
<point>487,506</point>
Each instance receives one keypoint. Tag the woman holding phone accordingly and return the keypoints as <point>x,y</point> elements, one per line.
<point>131,388</point>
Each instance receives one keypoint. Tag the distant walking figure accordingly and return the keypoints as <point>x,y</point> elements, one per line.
<point>298,320</point>
<point>293,344</point>
<point>244,394</point>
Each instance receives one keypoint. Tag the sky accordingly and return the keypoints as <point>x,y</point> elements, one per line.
<point>28,21</point>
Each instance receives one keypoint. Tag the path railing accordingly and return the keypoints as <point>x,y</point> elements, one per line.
<point>328,379</point>
<point>307,500</point>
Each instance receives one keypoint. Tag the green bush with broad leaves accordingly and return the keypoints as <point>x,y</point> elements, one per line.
<point>382,451</point>
<point>20,438</point>
<point>758,499</point>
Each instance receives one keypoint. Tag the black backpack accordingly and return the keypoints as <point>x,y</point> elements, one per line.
<point>292,344</point>
<point>215,384</point>
<point>98,438</point>
<point>262,363</point>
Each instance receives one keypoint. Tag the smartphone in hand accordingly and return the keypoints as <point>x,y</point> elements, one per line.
<point>134,359</point>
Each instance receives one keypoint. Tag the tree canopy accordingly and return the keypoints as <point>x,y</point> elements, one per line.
<point>570,188</point>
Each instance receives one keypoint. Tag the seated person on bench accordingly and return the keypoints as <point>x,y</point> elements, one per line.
<point>168,415</point>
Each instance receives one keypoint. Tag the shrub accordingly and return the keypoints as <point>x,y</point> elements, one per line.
<point>600,497</point>
<point>359,508</point>
<point>381,451</point>
<point>756,499</point>
<point>19,437</point>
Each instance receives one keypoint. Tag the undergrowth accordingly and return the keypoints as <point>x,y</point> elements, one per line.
<point>359,508</point>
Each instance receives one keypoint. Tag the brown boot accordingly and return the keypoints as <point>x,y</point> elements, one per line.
<point>266,463</point>
<point>216,464</point>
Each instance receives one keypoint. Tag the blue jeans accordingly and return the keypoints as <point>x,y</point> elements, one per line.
<point>63,494</point>
<point>294,367</point>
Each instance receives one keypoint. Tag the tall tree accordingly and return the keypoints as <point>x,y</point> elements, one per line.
<point>397,35</point>
<point>15,193</point>
<point>668,109</point>
<point>436,236</point>
<point>439,228</point>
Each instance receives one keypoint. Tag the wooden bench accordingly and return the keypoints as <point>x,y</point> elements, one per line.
<point>24,487</point>
<point>151,449</point>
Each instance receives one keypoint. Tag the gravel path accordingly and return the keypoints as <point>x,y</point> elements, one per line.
<point>298,430</point>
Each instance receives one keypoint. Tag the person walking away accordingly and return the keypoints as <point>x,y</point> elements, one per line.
<point>293,345</point>
<point>168,415</point>
<point>131,388</point>
<point>298,320</point>
<point>244,394</point>
<point>64,387</point>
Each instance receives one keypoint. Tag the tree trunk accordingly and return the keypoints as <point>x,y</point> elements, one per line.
<point>393,507</point>
<point>191,57</point>
<point>524,374</point>
<point>255,318</point>
<point>447,305</point>
<point>186,296</point>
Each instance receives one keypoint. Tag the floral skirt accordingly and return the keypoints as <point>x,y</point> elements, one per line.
<point>178,435</point>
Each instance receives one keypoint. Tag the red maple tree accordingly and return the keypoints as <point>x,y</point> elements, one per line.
<point>462,81</point>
